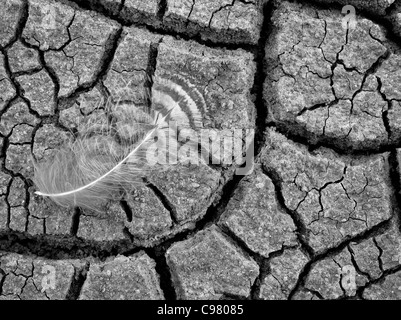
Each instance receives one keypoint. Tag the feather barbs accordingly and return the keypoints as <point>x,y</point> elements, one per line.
<point>108,158</point>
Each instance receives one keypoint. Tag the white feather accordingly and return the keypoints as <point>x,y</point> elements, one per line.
<point>106,160</point>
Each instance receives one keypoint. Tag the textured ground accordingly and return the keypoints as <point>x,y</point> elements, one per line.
<point>317,219</point>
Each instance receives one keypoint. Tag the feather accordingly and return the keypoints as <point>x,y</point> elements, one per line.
<point>107,158</point>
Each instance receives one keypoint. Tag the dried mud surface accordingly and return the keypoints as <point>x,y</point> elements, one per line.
<point>321,209</point>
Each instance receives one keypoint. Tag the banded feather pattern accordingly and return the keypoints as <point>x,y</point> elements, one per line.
<point>106,160</point>
<point>189,105</point>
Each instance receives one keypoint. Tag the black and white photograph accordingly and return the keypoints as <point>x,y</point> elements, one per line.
<point>211,152</point>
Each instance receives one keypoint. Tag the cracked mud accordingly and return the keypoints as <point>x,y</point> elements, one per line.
<point>318,217</point>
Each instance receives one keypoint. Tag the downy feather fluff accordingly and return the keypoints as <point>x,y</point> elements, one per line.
<point>105,160</point>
